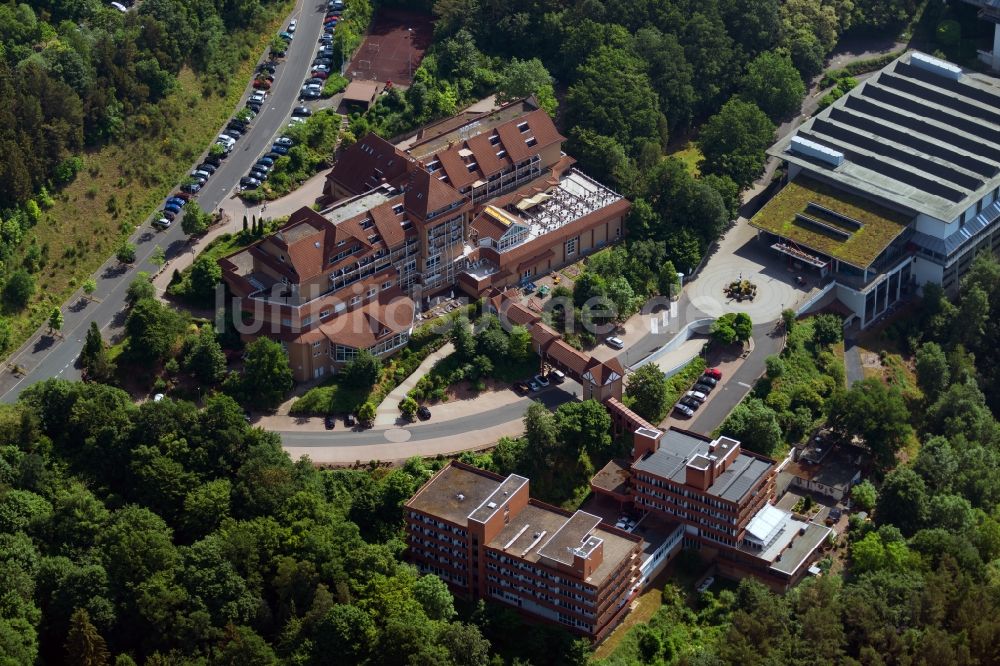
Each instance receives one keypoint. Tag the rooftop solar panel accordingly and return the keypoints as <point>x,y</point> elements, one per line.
<point>911,140</point>
<point>911,87</point>
<point>886,149</point>
<point>957,87</point>
<point>891,171</point>
<point>944,117</point>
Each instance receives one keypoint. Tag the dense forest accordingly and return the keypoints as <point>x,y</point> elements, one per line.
<point>167,534</point>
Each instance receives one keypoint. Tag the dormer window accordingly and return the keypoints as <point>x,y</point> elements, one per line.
<point>531,142</point>
<point>341,243</point>
<point>398,209</point>
<point>472,167</point>
<point>366,223</point>
<point>523,127</point>
<point>502,154</point>
<point>374,238</point>
<point>495,139</point>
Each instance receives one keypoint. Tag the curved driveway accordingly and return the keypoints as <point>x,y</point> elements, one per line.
<point>45,356</point>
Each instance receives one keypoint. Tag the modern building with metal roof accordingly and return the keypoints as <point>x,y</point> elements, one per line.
<point>893,185</point>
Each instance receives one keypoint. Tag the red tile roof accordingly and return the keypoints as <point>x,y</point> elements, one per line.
<point>561,352</point>
<point>425,193</point>
<point>364,165</point>
<point>363,327</point>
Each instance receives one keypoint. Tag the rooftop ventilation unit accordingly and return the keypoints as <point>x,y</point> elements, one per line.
<point>815,150</point>
<point>936,66</point>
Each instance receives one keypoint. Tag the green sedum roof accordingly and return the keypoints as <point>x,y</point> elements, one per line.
<point>826,231</point>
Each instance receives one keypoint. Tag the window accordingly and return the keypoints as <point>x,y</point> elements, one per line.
<point>324,314</point>
<point>571,246</point>
<point>523,127</point>
<point>372,291</point>
<point>531,142</point>
<point>501,154</point>
<point>317,348</point>
<point>398,209</point>
<point>526,274</point>
<point>495,139</point>
<point>342,242</point>
<point>355,300</point>
<point>307,320</point>
<point>366,223</point>
<point>387,284</point>
<point>472,166</point>
<point>433,261</point>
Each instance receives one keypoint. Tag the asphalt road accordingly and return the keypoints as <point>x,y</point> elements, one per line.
<point>767,341</point>
<point>551,397</point>
<point>44,355</point>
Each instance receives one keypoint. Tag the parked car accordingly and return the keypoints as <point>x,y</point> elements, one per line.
<point>170,215</point>
<point>557,376</point>
<point>697,395</point>
<point>533,386</point>
<point>177,201</point>
<point>183,196</point>
<point>319,74</point>
<point>301,111</point>
<point>309,93</point>
<point>253,106</point>
<point>279,150</point>
<point>248,183</point>
<point>834,515</point>
<point>330,422</point>
<point>238,125</point>
<point>706,379</point>
<point>326,39</point>
<point>350,421</point>
<point>258,175</point>
<point>283,141</point>
<point>270,67</point>
<point>541,380</point>
<point>616,342</point>
<point>214,160</point>
<point>423,413</point>
<point>292,25</point>
<point>684,409</point>
<point>702,388</point>
<point>266,160</point>
<point>262,84</point>
<point>206,167</point>
<point>714,373</point>
<point>192,188</point>
<point>326,62</point>
<point>258,166</point>
<point>200,173</point>
<point>287,36</point>
<point>690,402</point>
<point>174,208</point>
<point>162,223</point>
<point>707,583</point>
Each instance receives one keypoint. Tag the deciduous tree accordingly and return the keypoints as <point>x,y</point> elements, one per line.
<point>733,142</point>
<point>647,391</point>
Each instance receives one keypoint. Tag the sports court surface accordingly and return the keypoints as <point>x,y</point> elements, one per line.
<point>393,48</point>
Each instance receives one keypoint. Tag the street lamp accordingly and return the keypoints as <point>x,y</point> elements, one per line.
<point>409,52</point>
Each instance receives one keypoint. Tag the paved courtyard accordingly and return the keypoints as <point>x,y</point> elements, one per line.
<point>740,255</point>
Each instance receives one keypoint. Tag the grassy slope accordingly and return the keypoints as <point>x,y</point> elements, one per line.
<point>79,230</point>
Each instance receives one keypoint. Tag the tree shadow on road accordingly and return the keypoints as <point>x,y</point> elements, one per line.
<point>115,271</point>
<point>79,306</point>
<point>43,343</point>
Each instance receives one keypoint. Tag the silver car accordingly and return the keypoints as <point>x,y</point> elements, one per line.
<point>696,395</point>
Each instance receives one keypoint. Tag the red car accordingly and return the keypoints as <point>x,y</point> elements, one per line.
<point>317,74</point>
<point>262,84</point>
<point>714,373</point>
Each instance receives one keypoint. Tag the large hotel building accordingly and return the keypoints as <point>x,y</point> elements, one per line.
<point>476,204</point>
<point>483,534</point>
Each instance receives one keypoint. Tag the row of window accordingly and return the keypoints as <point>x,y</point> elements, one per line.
<point>421,518</point>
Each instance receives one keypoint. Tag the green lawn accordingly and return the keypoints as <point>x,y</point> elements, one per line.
<point>690,155</point>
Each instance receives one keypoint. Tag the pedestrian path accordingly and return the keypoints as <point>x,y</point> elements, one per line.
<point>387,412</point>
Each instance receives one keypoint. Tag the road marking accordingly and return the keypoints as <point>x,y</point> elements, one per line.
<point>744,384</point>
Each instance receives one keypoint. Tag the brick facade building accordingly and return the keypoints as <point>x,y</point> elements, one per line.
<point>482,205</point>
<point>483,535</point>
